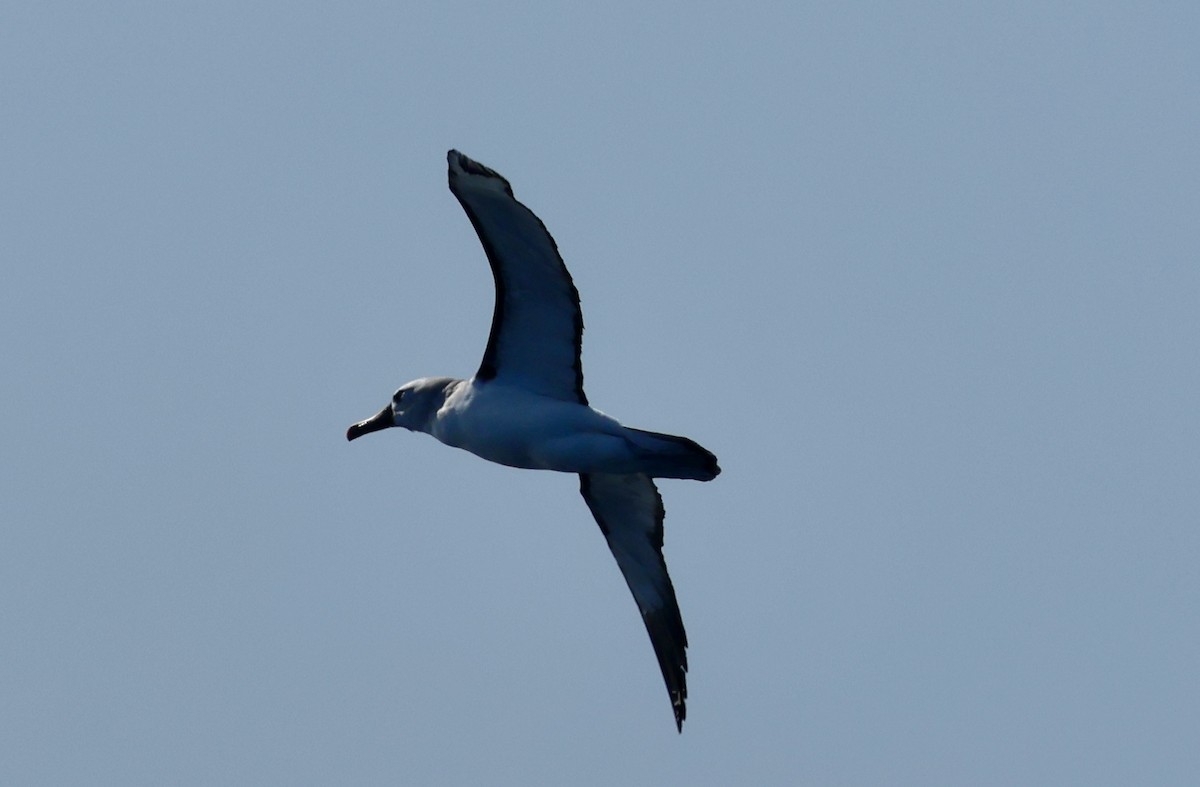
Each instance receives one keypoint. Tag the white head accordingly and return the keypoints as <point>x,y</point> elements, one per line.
<point>413,407</point>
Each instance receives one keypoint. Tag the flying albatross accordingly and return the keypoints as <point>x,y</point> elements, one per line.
<point>525,407</point>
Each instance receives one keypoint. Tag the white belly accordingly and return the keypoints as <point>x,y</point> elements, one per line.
<point>512,427</point>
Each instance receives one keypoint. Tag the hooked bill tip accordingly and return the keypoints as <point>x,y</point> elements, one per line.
<point>381,420</point>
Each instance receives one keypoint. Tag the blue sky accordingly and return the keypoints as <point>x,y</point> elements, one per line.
<point>924,278</point>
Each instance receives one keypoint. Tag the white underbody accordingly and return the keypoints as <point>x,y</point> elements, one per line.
<point>511,426</point>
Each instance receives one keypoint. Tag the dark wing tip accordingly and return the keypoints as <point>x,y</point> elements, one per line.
<point>464,167</point>
<point>665,628</point>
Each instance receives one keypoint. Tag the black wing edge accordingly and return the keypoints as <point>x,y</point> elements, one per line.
<point>665,625</point>
<point>487,367</point>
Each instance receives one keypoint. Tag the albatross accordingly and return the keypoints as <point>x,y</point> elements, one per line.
<point>525,407</point>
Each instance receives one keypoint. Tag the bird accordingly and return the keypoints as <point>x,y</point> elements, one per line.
<point>525,408</point>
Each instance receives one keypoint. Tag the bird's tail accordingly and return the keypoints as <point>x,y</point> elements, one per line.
<point>670,456</point>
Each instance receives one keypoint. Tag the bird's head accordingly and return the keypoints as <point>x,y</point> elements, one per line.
<point>413,407</point>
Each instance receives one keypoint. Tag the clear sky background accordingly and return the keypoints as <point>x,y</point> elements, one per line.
<point>925,277</point>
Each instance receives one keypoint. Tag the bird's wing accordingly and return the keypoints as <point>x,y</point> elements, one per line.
<point>537,326</point>
<point>630,512</point>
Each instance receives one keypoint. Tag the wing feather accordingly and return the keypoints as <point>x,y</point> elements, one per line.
<point>630,513</point>
<point>537,325</point>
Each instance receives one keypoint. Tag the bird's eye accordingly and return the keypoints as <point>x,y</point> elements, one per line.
<point>399,395</point>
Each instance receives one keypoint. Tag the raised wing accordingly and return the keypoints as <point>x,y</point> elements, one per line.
<point>537,326</point>
<point>630,512</point>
